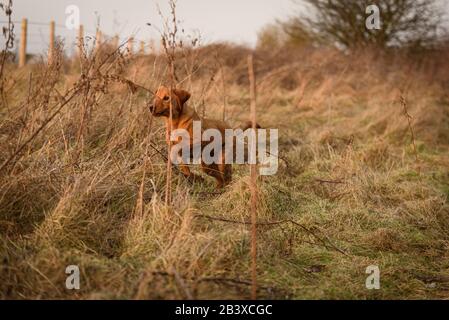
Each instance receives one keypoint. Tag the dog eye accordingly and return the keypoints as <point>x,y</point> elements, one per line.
<point>166,98</point>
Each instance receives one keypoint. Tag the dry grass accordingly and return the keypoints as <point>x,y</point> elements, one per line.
<point>89,188</point>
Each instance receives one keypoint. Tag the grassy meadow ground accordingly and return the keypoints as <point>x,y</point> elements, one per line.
<point>353,188</point>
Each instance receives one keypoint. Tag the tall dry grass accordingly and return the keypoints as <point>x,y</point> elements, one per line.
<point>88,188</point>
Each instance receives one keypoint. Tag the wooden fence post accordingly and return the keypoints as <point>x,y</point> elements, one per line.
<point>253,182</point>
<point>80,40</point>
<point>23,44</point>
<point>98,39</point>
<point>115,42</point>
<point>142,48</point>
<point>51,49</point>
<point>130,45</point>
<point>152,46</point>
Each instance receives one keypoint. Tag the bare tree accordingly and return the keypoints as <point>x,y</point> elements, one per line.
<point>402,22</point>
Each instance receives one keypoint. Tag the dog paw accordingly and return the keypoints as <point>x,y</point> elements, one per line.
<point>196,179</point>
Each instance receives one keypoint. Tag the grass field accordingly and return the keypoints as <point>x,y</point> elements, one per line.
<point>357,184</point>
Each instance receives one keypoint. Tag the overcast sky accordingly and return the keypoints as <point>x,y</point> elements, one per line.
<point>233,20</point>
<point>223,20</point>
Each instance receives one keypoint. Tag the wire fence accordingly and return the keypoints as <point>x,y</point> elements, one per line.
<point>35,38</point>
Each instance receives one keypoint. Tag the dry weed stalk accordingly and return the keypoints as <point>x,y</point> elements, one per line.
<point>327,243</point>
<point>169,43</point>
<point>219,280</point>
<point>8,33</point>
<point>410,127</point>
<point>92,81</point>
<point>190,55</point>
<point>253,183</point>
<point>223,83</point>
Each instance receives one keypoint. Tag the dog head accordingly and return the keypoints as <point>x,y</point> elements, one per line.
<point>162,99</point>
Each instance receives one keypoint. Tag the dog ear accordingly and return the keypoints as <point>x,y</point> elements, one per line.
<point>182,95</point>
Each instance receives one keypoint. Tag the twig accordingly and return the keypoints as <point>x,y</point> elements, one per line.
<point>70,94</point>
<point>410,127</point>
<point>8,32</point>
<point>215,279</point>
<point>223,84</point>
<point>130,84</point>
<point>329,181</point>
<point>169,45</point>
<point>274,223</point>
<point>46,122</point>
<point>166,159</point>
<point>209,193</point>
<point>253,183</point>
<point>181,283</point>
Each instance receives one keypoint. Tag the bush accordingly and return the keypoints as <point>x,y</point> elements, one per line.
<point>416,23</point>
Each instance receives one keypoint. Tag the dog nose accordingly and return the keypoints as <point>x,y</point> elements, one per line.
<point>151,107</point>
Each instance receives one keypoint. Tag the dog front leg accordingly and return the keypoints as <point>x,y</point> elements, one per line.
<point>188,174</point>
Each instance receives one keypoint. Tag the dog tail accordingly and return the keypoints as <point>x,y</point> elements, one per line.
<point>248,124</point>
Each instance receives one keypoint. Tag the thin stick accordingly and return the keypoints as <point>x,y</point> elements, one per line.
<point>139,205</point>
<point>169,45</point>
<point>223,85</point>
<point>180,281</point>
<point>234,281</point>
<point>410,127</point>
<point>66,101</point>
<point>169,163</point>
<point>253,183</point>
<point>276,223</point>
<point>8,33</point>
<point>329,181</point>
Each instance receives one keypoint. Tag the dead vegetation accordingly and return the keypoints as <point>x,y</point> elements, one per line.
<point>83,177</point>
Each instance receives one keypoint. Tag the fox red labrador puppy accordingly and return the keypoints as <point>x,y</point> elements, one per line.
<point>182,118</point>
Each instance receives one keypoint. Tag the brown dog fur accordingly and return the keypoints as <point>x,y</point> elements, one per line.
<point>182,118</point>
